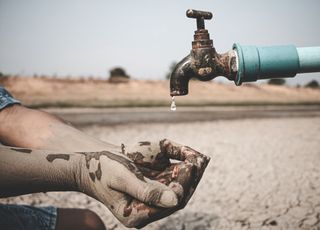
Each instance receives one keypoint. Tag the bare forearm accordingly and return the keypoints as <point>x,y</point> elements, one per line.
<point>30,128</point>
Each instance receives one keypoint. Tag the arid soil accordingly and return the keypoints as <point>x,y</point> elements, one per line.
<point>264,174</point>
<point>46,92</point>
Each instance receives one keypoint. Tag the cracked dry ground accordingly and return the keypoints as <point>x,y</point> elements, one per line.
<point>264,174</point>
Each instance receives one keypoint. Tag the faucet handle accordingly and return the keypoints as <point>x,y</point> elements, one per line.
<point>200,16</point>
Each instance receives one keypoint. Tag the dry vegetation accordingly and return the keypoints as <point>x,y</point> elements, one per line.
<point>53,92</point>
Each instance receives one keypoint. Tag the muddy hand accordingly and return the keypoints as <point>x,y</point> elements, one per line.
<point>115,180</point>
<point>153,160</point>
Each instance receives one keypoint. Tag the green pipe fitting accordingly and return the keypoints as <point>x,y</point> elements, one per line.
<point>256,63</point>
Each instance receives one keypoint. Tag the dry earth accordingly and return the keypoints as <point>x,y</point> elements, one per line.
<point>264,174</point>
<point>100,93</point>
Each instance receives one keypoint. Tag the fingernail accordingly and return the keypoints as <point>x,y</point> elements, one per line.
<point>168,199</point>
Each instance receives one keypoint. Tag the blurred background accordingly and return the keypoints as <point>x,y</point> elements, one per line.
<point>93,41</point>
<point>87,38</point>
<point>104,66</point>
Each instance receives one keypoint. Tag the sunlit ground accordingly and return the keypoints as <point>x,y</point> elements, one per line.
<point>264,174</point>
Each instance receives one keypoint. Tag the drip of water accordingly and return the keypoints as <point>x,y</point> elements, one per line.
<point>173,105</point>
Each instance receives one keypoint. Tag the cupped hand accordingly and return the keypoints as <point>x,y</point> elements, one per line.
<point>182,176</point>
<point>140,184</point>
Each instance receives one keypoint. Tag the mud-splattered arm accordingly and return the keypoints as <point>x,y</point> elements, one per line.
<point>110,177</point>
<point>24,171</point>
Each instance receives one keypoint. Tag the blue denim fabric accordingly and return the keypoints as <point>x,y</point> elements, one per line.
<point>23,217</point>
<point>6,98</point>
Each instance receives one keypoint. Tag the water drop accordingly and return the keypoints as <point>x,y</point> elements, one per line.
<point>173,105</point>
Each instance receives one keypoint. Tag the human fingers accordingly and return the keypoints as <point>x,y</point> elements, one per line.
<point>129,211</point>
<point>147,154</point>
<point>183,153</point>
<point>180,182</point>
<point>178,177</point>
<point>142,188</point>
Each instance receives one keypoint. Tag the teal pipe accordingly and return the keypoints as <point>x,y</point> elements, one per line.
<point>309,58</point>
<point>256,63</point>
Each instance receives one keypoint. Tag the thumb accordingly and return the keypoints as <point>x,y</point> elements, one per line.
<point>150,192</point>
<point>156,193</point>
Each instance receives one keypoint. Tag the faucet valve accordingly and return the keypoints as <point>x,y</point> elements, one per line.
<point>200,16</point>
<point>201,35</point>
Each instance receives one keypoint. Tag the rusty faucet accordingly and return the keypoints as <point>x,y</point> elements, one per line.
<point>203,63</point>
<point>242,63</point>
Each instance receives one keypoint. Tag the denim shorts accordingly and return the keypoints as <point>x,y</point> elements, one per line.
<point>6,98</point>
<point>23,217</point>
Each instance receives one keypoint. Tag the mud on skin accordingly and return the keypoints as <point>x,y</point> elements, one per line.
<point>151,160</point>
<point>141,143</point>
<point>21,150</point>
<point>96,155</point>
<point>52,157</point>
<point>156,213</point>
<point>148,154</point>
<point>179,176</point>
<point>182,177</point>
<point>122,160</point>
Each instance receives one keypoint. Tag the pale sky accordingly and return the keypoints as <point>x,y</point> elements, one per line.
<point>82,37</point>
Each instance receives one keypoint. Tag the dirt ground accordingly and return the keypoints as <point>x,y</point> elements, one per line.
<point>48,92</point>
<point>264,174</point>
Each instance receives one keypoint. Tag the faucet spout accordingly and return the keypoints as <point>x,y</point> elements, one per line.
<point>180,77</point>
<point>204,65</point>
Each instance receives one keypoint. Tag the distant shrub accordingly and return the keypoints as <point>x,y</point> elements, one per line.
<point>277,81</point>
<point>118,72</point>
<point>312,84</point>
<point>118,75</point>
